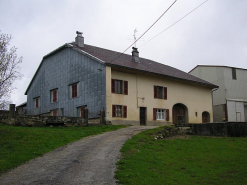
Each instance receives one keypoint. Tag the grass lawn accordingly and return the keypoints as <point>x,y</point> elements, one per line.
<point>20,144</point>
<point>195,160</point>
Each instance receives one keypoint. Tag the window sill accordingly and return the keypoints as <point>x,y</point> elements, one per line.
<point>119,93</point>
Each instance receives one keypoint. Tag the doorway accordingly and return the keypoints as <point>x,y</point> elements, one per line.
<point>238,116</point>
<point>142,115</point>
<point>205,117</point>
<point>179,114</point>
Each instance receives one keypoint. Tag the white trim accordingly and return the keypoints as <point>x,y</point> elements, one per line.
<point>239,100</point>
<point>81,51</point>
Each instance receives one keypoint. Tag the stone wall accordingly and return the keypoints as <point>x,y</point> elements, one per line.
<point>231,129</point>
<point>33,120</point>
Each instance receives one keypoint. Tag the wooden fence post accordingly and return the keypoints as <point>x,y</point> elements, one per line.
<point>12,110</point>
<point>102,117</point>
<point>86,116</point>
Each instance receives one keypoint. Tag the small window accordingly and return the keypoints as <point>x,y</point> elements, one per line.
<point>73,90</point>
<point>54,112</point>
<point>81,111</point>
<point>119,111</point>
<point>119,87</point>
<point>36,102</point>
<point>54,97</point>
<point>161,114</point>
<point>234,74</point>
<point>160,92</point>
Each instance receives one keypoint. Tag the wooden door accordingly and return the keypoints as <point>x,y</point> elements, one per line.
<point>204,117</point>
<point>142,115</point>
<point>178,113</point>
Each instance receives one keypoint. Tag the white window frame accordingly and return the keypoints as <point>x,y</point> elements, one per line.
<point>160,114</point>
<point>119,110</point>
<point>70,90</point>
<point>52,95</point>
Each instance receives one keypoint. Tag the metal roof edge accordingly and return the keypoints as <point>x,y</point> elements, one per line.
<point>83,52</point>
<point>215,66</point>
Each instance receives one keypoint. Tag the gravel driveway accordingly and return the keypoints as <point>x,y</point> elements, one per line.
<point>88,161</point>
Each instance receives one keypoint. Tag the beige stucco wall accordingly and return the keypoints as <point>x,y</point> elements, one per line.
<point>195,98</point>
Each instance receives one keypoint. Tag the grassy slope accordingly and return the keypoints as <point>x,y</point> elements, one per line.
<point>197,160</point>
<point>20,144</point>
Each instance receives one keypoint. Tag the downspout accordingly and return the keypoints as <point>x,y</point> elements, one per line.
<point>136,92</point>
<point>212,101</point>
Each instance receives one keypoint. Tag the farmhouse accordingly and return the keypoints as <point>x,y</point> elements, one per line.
<point>131,89</point>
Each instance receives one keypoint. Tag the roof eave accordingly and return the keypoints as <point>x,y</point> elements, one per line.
<point>167,76</point>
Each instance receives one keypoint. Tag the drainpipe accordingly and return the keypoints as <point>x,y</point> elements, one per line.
<point>212,101</point>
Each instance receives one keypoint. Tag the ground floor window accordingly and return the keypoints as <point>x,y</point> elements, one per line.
<point>161,114</point>
<point>81,111</point>
<point>119,111</point>
<point>54,112</point>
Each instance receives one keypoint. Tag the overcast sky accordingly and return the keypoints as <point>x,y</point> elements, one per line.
<point>214,34</point>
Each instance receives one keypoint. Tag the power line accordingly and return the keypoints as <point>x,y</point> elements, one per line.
<point>145,31</point>
<point>175,22</point>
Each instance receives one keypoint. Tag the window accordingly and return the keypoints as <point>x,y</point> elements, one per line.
<point>73,90</point>
<point>54,95</point>
<point>119,86</point>
<point>160,92</point>
<point>161,114</point>
<point>81,111</point>
<point>36,102</point>
<point>54,112</point>
<point>234,74</point>
<point>119,111</point>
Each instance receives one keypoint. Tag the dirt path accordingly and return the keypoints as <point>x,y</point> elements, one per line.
<point>87,161</point>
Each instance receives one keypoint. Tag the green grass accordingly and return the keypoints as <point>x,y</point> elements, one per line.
<point>196,160</point>
<point>20,144</point>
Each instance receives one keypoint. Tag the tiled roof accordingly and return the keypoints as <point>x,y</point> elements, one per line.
<point>114,58</point>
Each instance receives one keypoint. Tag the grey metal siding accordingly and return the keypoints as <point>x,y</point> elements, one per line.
<point>59,71</point>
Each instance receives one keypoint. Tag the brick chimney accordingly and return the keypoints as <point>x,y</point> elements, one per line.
<point>79,40</point>
<point>135,55</point>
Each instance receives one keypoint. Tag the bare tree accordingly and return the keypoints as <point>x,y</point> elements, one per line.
<point>9,69</point>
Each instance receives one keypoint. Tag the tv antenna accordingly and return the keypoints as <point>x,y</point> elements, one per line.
<point>135,31</point>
